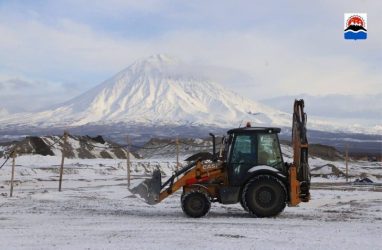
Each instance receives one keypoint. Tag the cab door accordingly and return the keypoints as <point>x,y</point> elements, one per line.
<point>243,156</point>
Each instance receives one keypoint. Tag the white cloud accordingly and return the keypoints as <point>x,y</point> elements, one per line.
<point>312,58</point>
<point>19,94</point>
<point>365,108</point>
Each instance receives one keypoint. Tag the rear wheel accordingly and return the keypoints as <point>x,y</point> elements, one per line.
<point>195,204</point>
<point>264,196</point>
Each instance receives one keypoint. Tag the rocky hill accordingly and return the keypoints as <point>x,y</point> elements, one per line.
<point>82,147</point>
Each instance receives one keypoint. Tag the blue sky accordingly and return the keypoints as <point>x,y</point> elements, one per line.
<point>51,51</point>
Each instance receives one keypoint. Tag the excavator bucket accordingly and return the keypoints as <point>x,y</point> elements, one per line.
<point>149,189</point>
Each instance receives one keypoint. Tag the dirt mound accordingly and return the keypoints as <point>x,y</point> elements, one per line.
<point>40,146</point>
<point>324,152</point>
<point>327,170</point>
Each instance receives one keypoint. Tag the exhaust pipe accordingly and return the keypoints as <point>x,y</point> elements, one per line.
<point>213,146</point>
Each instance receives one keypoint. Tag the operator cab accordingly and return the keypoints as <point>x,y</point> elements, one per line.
<point>249,147</point>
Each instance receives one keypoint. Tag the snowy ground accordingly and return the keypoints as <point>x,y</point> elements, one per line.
<point>96,211</point>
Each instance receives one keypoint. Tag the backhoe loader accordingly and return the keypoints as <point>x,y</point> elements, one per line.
<point>248,169</point>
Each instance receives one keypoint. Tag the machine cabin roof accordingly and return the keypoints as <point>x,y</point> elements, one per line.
<point>254,130</point>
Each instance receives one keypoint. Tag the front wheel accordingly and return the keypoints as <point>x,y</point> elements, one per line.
<point>195,204</point>
<point>242,203</point>
<point>264,196</point>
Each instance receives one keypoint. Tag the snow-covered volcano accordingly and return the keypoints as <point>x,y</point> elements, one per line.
<point>161,91</point>
<point>156,90</point>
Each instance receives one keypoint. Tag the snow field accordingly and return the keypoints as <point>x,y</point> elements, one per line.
<point>106,216</point>
<point>95,210</point>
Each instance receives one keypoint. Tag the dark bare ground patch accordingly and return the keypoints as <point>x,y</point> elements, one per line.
<point>234,236</point>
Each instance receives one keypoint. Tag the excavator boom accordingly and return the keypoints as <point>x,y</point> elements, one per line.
<point>299,177</point>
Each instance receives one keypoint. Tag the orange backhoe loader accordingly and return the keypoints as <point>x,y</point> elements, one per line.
<point>249,169</point>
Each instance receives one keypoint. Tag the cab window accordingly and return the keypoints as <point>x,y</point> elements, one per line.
<point>269,151</point>
<point>244,150</point>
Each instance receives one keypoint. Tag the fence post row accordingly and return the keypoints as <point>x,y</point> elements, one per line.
<point>128,161</point>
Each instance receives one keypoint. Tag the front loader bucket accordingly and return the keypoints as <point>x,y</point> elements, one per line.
<point>149,189</point>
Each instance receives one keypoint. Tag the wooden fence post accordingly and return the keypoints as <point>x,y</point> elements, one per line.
<point>13,171</point>
<point>128,162</point>
<point>346,162</point>
<point>64,148</point>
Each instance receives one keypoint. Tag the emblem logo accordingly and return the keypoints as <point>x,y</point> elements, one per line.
<point>355,26</point>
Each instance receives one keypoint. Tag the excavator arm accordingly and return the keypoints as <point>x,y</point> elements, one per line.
<point>299,173</point>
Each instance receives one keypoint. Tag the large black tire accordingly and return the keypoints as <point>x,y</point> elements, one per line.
<point>242,203</point>
<point>195,204</point>
<point>264,196</point>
